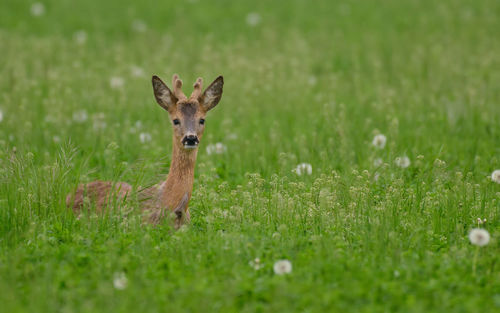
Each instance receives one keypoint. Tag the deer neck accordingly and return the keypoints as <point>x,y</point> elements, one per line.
<point>180,177</point>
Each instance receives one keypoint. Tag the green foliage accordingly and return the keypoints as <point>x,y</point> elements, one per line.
<point>305,81</point>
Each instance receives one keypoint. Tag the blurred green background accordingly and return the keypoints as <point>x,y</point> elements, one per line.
<point>305,81</point>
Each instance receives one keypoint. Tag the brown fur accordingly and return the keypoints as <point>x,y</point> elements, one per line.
<point>173,194</point>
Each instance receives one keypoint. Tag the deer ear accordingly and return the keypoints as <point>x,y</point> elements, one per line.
<point>163,95</point>
<point>212,94</point>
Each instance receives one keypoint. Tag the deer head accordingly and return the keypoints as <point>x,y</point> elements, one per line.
<point>187,114</point>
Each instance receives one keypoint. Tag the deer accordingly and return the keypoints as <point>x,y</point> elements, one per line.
<point>174,193</point>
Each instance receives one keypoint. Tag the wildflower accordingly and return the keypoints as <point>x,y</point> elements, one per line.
<point>136,71</point>
<point>479,237</point>
<point>120,281</point>
<point>282,267</point>
<point>495,176</point>
<point>116,82</point>
<point>253,19</point>
<point>80,37</point>
<point>144,137</point>
<point>37,9</point>
<point>402,162</point>
<point>256,264</point>
<point>139,26</point>
<point>80,116</point>
<point>379,141</point>
<point>303,168</point>
<point>218,148</point>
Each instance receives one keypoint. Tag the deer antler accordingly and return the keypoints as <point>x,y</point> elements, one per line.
<point>197,89</point>
<point>177,85</point>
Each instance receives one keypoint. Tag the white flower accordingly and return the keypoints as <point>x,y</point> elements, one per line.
<point>253,19</point>
<point>402,162</point>
<point>495,176</point>
<point>144,137</point>
<point>377,162</point>
<point>218,148</point>
<point>80,37</point>
<point>1,116</point>
<point>136,71</point>
<point>80,116</point>
<point>379,141</point>
<point>120,281</point>
<point>479,237</point>
<point>139,26</point>
<point>37,9</point>
<point>303,168</point>
<point>282,267</point>
<point>256,264</point>
<point>116,82</point>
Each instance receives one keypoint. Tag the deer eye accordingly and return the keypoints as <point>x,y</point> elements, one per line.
<point>202,121</point>
<point>177,122</point>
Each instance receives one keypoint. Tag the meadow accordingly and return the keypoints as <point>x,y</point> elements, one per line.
<point>393,106</point>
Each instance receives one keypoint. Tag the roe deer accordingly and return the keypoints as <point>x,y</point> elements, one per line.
<point>173,194</point>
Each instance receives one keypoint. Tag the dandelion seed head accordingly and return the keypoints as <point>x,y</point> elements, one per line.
<point>379,141</point>
<point>253,19</point>
<point>402,162</point>
<point>37,9</point>
<point>479,237</point>
<point>282,267</point>
<point>120,281</point>
<point>218,148</point>
<point>144,137</point>
<point>495,176</point>
<point>303,169</point>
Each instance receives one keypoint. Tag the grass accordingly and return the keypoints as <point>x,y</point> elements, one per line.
<point>311,82</point>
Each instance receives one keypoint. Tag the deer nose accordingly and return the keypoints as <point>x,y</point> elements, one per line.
<point>190,140</point>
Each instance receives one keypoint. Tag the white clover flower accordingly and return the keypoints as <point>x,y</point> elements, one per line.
<point>495,176</point>
<point>218,148</point>
<point>136,71</point>
<point>80,116</point>
<point>303,168</point>
<point>479,237</point>
<point>402,162</point>
<point>116,82</point>
<point>1,116</point>
<point>282,267</point>
<point>145,137</point>
<point>80,37</point>
<point>253,19</point>
<point>379,141</point>
<point>377,162</point>
<point>120,281</point>
<point>37,9</point>
<point>139,26</point>
<point>256,264</point>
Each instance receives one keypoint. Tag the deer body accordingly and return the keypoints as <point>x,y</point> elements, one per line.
<point>173,194</point>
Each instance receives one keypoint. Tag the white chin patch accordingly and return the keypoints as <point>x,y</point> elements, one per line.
<point>189,147</point>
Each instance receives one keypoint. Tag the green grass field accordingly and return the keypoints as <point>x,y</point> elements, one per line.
<point>305,82</point>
